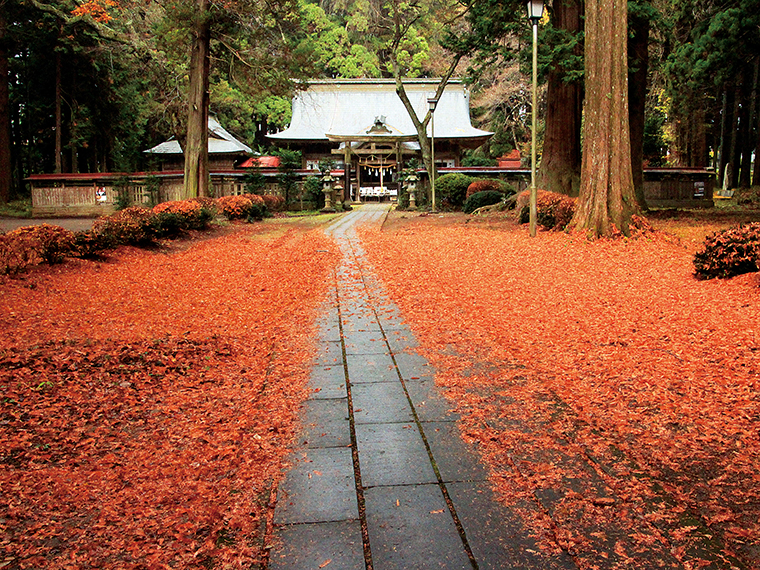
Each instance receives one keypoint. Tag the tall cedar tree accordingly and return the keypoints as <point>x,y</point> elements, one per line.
<point>560,167</point>
<point>640,14</point>
<point>196,141</point>
<point>606,202</point>
<point>5,122</point>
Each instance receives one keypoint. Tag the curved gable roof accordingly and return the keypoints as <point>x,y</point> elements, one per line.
<point>345,108</point>
<point>219,142</point>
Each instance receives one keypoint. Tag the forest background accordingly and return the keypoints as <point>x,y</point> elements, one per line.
<point>93,83</point>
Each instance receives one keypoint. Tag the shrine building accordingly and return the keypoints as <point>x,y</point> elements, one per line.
<point>364,127</point>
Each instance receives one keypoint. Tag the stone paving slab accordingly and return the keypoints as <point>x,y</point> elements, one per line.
<point>400,338</point>
<point>319,488</point>
<point>371,368</point>
<point>333,546</point>
<point>365,342</point>
<point>411,528</point>
<point>413,366</point>
<point>428,402</point>
<point>325,423</point>
<point>356,346</point>
<point>329,353</point>
<point>498,541</point>
<point>393,454</point>
<point>456,461</point>
<point>381,402</point>
<point>359,322</point>
<point>328,382</point>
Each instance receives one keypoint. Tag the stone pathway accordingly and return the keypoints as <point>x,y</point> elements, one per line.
<point>381,478</point>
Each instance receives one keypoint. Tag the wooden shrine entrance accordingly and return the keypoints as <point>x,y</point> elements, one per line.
<point>376,158</point>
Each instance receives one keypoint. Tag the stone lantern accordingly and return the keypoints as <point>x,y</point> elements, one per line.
<point>411,187</point>
<point>327,189</point>
<point>338,195</point>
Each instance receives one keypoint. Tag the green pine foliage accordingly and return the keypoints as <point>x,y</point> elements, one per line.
<point>451,189</point>
<point>481,199</point>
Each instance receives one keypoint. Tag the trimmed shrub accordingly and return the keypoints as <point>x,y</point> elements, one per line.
<point>313,192</point>
<point>51,243</point>
<point>451,189</point>
<point>14,255</point>
<point>554,211</point>
<point>480,199</point>
<point>131,226</point>
<point>729,252</point>
<point>206,202</point>
<point>493,184</point>
<point>242,207</point>
<point>91,245</point>
<point>31,245</point>
<point>182,215</point>
<point>274,203</point>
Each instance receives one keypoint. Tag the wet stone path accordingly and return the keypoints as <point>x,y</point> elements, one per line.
<point>381,478</point>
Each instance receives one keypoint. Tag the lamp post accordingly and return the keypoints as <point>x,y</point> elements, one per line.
<point>535,11</point>
<point>432,102</point>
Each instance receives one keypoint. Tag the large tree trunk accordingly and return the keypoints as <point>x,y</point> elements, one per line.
<point>748,134</point>
<point>756,169</point>
<point>606,202</point>
<point>560,167</point>
<point>726,130</point>
<point>58,113</point>
<point>734,155</point>
<point>196,143</point>
<point>638,50</point>
<point>6,171</point>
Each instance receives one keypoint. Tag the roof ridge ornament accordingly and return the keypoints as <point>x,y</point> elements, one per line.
<point>379,127</point>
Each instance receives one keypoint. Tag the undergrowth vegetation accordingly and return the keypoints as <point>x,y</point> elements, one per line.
<point>480,199</point>
<point>133,225</point>
<point>553,211</point>
<point>729,252</point>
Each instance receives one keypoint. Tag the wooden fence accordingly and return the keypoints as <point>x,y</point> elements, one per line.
<point>99,194</point>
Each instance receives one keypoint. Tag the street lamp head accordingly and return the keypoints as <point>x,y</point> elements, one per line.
<point>535,11</point>
<point>432,102</point>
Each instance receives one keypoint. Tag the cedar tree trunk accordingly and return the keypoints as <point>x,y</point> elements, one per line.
<point>196,143</point>
<point>726,128</point>
<point>560,168</point>
<point>606,202</point>
<point>756,169</point>
<point>638,48</point>
<point>5,117</point>
<point>749,140</point>
<point>58,114</point>
<point>735,156</point>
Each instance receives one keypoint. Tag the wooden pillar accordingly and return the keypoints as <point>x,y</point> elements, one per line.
<point>399,168</point>
<point>347,173</point>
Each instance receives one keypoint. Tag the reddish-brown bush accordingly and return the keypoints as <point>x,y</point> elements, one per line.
<point>273,203</point>
<point>553,211</point>
<point>489,184</point>
<point>30,245</point>
<point>128,226</point>
<point>241,207</point>
<point>729,252</point>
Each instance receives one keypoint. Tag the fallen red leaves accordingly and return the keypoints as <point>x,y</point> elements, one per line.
<point>148,402</point>
<point>587,369</point>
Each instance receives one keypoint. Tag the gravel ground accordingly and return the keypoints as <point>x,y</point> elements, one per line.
<point>72,224</point>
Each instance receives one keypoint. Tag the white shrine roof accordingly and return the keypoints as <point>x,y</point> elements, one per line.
<point>349,107</point>
<point>219,142</point>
